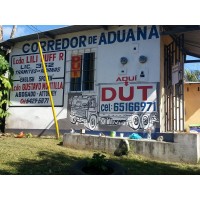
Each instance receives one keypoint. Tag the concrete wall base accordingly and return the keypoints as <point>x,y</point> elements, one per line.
<point>185,148</point>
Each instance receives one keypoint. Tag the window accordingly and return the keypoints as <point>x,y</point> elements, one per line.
<point>82,72</point>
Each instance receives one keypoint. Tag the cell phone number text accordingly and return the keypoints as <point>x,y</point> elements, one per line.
<point>129,107</point>
<point>34,101</point>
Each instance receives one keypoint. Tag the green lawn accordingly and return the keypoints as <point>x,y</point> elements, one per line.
<point>47,156</point>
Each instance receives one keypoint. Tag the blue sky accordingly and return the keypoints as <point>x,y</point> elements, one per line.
<point>192,66</point>
<point>27,29</point>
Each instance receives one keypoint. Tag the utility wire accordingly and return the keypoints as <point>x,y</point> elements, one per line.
<point>36,28</point>
<point>34,31</point>
<point>37,31</point>
<point>31,28</point>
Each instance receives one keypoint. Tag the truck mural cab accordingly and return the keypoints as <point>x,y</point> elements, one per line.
<point>84,110</point>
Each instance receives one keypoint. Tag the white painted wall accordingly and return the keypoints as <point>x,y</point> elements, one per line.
<point>108,69</point>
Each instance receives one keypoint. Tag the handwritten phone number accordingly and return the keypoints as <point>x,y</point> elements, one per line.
<point>34,101</point>
<point>129,107</point>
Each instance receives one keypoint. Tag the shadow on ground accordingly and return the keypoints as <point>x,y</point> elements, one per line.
<point>47,163</point>
<point>148,167</point>
<point>51,163</point>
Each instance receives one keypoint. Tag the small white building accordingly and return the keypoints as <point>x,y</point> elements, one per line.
<point>103,78</point>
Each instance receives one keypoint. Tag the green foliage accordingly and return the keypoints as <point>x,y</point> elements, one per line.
<point>5,86</point>
<point>29,135</point>
<point>98,162</point>
<point>192,76</point>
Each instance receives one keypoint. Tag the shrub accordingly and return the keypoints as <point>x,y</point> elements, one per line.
<point>5,86</point>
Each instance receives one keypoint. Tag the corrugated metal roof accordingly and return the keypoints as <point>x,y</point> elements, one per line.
<point>191,37</point>
<point>192,43</point>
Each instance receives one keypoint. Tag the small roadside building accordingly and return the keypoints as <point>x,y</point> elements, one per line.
<point>192,106</point>
<point>102,78</point>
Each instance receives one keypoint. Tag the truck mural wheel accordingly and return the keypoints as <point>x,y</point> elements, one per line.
<point>73,119</point>
<point>154,117</point>
<point>134,122</point>
<point>145,121</point>
<point>103,121</point>
<point>116,122</point>
<point>92,122</point>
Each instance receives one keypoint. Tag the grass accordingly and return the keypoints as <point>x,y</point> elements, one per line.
<point>47,156</point>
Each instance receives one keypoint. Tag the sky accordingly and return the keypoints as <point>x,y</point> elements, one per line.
<point>192,66</point>
<point>27,29</point>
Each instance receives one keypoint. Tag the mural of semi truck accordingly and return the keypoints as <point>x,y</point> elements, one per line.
<point>86,109</point>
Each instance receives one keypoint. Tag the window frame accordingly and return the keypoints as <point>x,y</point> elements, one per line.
<point>80,52</point>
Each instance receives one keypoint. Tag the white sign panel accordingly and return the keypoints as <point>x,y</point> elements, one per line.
<point>130,98</point>
<point>29,87</point>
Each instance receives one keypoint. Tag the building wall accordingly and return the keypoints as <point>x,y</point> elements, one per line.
<point>192,106</point>
<point>117,86</point>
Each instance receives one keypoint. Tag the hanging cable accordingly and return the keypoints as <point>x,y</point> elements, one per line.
<point>36,29</point>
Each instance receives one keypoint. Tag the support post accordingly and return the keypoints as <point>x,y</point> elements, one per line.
<point>49,90</point>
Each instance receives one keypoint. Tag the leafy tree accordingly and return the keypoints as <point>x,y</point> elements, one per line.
<point>5,86</point>
<point>5,80</point>
<point>192,76</point>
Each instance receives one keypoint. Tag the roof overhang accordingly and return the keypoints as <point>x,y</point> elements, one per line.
<point>191,37</point>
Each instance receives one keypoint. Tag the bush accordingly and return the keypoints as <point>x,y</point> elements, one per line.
<point>98,165</point>
<point>5,86</point>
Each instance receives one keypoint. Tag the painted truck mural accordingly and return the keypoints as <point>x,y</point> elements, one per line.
<point>134,106</point>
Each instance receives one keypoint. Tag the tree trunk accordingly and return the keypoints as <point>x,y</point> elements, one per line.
<point>1,33</point>
<point>13,31</point>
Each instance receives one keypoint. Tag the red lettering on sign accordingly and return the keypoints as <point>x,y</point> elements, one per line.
<point>105,90</point>
<point>122,97</point>
<point>125,93</point>
<point>144,91</point>
<point>126,78</point>
<point>49,57</point>
<point>118,79</point>
<point>61,55</point>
